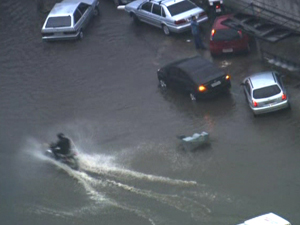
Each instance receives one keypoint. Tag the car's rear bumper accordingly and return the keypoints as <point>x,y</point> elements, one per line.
<point>185,27</point>
<point>55,37</point>
<point>270,108</point>
<point>215,91</point>
<point>218,50</point>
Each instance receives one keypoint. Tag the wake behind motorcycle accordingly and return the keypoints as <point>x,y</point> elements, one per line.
<point>70,159</point>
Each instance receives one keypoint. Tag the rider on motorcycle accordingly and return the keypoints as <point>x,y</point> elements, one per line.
<point>62,146</point>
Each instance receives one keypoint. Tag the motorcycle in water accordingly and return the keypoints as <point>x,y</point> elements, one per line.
<point>70,159</point>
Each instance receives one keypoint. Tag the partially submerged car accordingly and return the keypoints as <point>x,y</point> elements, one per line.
<point>68,19</point>
<point>266,219</point>
<point>224,39</point>
<point>169,15</point>
<point>195,76</point>
<point>265,92</point>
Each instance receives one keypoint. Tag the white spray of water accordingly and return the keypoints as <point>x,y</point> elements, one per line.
<point>103,165</point>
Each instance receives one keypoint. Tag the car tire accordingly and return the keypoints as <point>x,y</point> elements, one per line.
<point>193,97</point>
<point>96,11</point>
<point>80,35</point>
<point>162,83</point>
<point>117,3</point>
<point>166,30</point>
<point>135,19</point>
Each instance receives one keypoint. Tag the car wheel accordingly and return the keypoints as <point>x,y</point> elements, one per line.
<point>162,83</point>
<point>80,36</point>
<point>193,97</point>
<point>248,49</point>
<point>96,11</point>
<point>166,30</point>
<point>117,3</point>
<point>135,19</point>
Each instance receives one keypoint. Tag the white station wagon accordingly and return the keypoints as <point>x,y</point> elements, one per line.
<point>68,19</point>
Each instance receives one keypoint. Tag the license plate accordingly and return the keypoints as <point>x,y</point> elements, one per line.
<point>227,50</point>
<point>216,83</point>
<point>218,10</point>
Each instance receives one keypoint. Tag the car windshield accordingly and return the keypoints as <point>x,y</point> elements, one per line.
<point>61,21</point>
<point>226,35</point>
<point>181,7</point>
<point>266,92</point>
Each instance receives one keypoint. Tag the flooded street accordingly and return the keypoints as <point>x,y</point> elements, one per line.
<point>103,93</point>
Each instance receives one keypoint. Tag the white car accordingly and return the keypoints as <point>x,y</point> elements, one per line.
<point>169,15</point>
<point>68,19</point>
<point>266,219</point>
<point>265,92</point>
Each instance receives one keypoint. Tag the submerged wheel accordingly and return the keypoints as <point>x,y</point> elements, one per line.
<point>162,83</point>
<point>166,30</point>
<point>135,19</point>
<point>73,163</point>
<point>96,11</point>
<point>80,36</point>
<point>117,3</point>
<point>193,97</point>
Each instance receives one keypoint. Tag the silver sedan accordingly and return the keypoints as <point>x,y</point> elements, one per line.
<point>170,15</point>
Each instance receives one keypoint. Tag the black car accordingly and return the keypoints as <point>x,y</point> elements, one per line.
<point>195,76</point>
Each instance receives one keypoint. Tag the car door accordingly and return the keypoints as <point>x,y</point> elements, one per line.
<point>144,12</point>
<point>87,13</point>
<point>156,15</point>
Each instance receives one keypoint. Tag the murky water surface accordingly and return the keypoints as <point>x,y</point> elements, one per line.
<point>103,93</point>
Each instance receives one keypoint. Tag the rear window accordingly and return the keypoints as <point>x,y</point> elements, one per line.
<point>226,35</point>
<point>181,7</point>
<point>266,92</point>
<point>61,21</point>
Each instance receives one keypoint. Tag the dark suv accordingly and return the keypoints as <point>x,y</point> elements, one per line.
<point>195,76</point>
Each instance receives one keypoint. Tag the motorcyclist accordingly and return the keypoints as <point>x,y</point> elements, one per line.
<point>62,146</point>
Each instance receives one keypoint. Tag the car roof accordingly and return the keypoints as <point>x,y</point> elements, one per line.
<point>67,7</point>
<point>63,8</point>
<point>200,70</point>
<point>218,22</point>
<point>267,219</point>
<point>262,79</point>
<point>166,2</point>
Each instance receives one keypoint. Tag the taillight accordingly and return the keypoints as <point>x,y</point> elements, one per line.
<point>180,21</point>
<point>213,32</point>
<point>202,88</point>
<point>218,6</point>
<point>227,77</point>
<point>283,97</point>
<point>255,104</point>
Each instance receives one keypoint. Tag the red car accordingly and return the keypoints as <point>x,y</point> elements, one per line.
<point>224,39</point>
